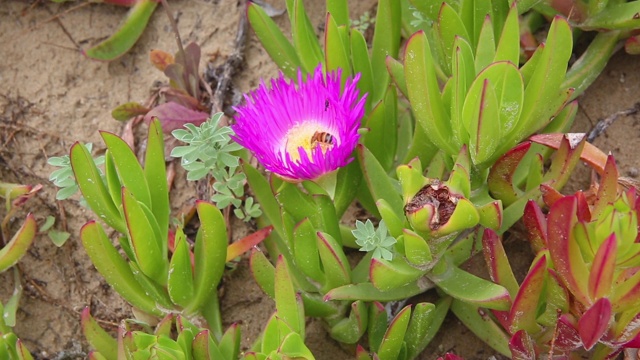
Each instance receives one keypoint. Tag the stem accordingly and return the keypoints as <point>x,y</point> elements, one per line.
<point>174,26</point>
<point>587,68</point>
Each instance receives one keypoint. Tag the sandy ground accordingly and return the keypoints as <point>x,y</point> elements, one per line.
<point>51,97</point>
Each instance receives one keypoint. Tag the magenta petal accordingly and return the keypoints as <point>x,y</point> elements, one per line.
<point>594,322</point>
<point>264,121</point>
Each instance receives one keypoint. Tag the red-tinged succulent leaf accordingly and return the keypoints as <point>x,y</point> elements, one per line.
<point>335,263</point>
<point>22,351</point>
<point>173,116</point>
<point>128,32</point>
<point>165,325</point>
<point>491,214</point>
<point>160,59</point>
<point>594,322</point>
<point>521,346</point>
<point>627,295</point>
<point>549,194</point>
<point>15,249</point>
<point>246,243</point>
<point>564,160</point>
<point>362,353</point>
<point>583,211</point>
<point>502,317</point>
<point>565,252</point>
<point>21,193</point>
<point>97,337</point>
<point>393,339</point>
<point>536,224</point>
<point>500,178</point>
<point>593,156</point>
<point>350,329</point>
<point>632,45</point>
<point>608,189</point>
<point>567,336</point>
<point>602,269</point>
<point>204,347</point>
<point>497,262</point>
<point>126,111</point>
<point>522,315</point>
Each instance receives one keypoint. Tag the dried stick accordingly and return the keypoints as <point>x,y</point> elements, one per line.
<point>603,124</point>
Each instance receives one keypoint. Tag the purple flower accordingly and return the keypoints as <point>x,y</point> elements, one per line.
<point>301,132</point>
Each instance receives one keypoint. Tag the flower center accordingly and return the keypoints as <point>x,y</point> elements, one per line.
<point>307,136</point>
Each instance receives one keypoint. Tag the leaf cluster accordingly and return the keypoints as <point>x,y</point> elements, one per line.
<point>210,151</point>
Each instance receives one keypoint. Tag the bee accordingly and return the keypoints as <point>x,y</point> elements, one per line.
<point>324,139</point>
<point>326,105</point>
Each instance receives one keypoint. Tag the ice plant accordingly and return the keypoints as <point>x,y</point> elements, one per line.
<point>303,131</point>
<point>581,293</point>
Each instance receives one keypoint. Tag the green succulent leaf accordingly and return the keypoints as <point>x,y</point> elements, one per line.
<point>350,330</point>
<point>114,268</point>
<point>306,250</point>
<point>393,341</point>
<point>386,42</point>
<point>273,40</point>
<point>336,47</point>
<point>418,329</point>
<point>15,249</point>
<point>380,185</point>
<point>508,48</point>
<point>620,16</point>
<point>469,288</point>
<point>143,234</point>
<point>180,279</point>
<point>336,266</point>
<point>368,292</point>
<point>339,9</point>
<point>383,125</point>
<point>155,174</point>
<point>288,305</point>
<point>304,37</point>
<point>263,272</point>
<point>93,188</point>
<point>210,254</point>
<point>97,337</point>
<point>389,275</point>
<point>424,92</point>
<point>481,324</point>
<point>486,49</point>
<point>127,34</point>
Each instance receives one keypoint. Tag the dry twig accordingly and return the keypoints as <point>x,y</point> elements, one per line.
<point>603,124</point>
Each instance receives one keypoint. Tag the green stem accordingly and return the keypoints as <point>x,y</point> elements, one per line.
<point>587,68</point>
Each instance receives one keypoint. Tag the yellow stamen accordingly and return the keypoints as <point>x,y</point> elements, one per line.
<point>302,135</point>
